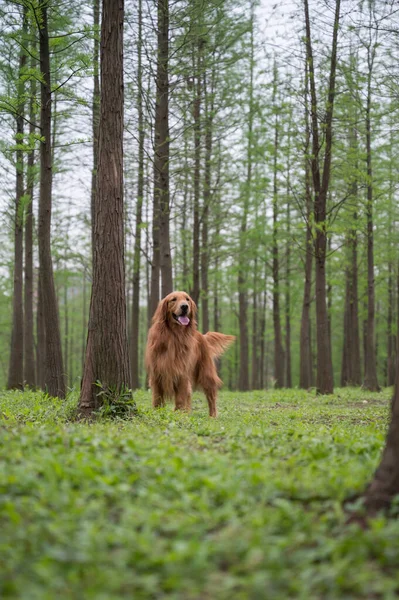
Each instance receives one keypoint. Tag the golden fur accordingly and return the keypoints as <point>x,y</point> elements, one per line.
<point>178,357</point>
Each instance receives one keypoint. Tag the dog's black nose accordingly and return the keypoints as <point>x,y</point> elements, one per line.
<point>184,308</point>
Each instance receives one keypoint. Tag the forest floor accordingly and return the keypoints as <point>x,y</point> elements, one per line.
<point>166,505</point>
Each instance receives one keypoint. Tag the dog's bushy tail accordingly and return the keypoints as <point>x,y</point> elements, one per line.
<point>218,342</point>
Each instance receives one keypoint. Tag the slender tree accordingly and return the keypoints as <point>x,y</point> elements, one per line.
<point>305,354</point>
<point>370,371</point>
<point>243,379</point>
<point>54,369</point>
<point>29,349</point>
<point>279,359</point>
<point>16,367</point>
<point>135,331</point>
<point>321,181</point>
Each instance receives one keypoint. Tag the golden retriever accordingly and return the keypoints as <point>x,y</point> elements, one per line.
<point>178,357</point>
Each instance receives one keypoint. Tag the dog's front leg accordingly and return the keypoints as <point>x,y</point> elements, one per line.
<point>183,395</point>
<point>157,394</point>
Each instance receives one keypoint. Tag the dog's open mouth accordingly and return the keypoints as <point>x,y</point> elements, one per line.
<point>181,319</point>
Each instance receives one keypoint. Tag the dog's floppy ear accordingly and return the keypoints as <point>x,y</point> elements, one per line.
<point>161,314</point>
<point>194,309</point>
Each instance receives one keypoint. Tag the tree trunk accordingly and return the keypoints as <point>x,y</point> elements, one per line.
<point>305,350</point>
<point>325,384</point>
<point>41,338</point>
<point>351,371</point>
<point>184,228</point>
<point>197,162</point>
<point>66,330</point>
<point>135,325</point>
<point>278,345</point>
<point>161,136</point>
<point>391,358</point>
<point>207,200</point>
<point>95,113</point>
<point>262,334</point>
<point>255,370</point>
<point>288,371</point>
<point>107,360</point>
<point>29,344</point>
<point>370,375</point>
<point>243,378</point>
<point>390,335</point>
<point>84,322</point>
<point>347,336</point>
<point>385,484</point>
<point>54,375</point>
<point>16,367</point>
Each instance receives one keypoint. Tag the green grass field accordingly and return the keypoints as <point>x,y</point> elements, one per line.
<point>166,505</point>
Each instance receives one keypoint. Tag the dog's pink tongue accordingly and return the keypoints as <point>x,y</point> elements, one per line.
<point>183,320</point>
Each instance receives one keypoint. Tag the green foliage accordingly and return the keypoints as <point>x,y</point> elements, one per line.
<point>115,403</point>
<point>171,505</point>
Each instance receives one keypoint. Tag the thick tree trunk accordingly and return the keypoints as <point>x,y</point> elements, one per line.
<point>161,158</point>
<point>135,324</point>
<point>325,383</point>
<point>16,366</point>
<point>370,375</point>
<point>385,484</point>
<point>95,113</point>
<point>107,360</point>
<point>54,375</point>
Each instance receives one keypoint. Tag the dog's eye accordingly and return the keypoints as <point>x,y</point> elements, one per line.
<point>188,299</point>
<point>173,300</point>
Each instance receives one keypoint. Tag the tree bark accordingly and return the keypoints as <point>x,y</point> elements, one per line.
<point>288,370</point>
<point>197,163</point>
<point>325,384</point>
<point>16,366</point>
<point>385,483</point>
<point>54,369</point>
<point>279,360</point>
<point>305,352</point>
<point>255,370</point>
<point>161,134</point>
<point>135,325</point>
<point>262,333</point>
<point>41,338</point>
<point>370,374</point>
<point>243,378</point>
<point>207,199</point>
<point>29,344</point>
<point>95,113</point>
<point>107,360</point>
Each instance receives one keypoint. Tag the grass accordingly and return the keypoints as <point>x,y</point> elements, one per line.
<point>167,505</point>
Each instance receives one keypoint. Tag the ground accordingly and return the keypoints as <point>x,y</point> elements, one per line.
<point>167,505</point>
